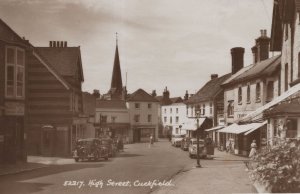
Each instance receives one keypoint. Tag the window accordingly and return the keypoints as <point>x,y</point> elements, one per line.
<point>15,73</point>
<point>177,110</point>
<point>240,95</point>
<point>210,108</point>
<point>165,119</point>
<point>248,94</point>
<point>149,105</point>
<point>192,111</point>
<point>291,128</point>
<point>270,91</point>
<point>286,74</point>
<point>76,102</point>
<point>113,119</point>
<point>137,105</point>
<point>177,119</point>
<point>257,92</point>
<point>176,130</point>
<point>230,109</point>
<point>286,31</point>
<point>187,110</point>
<point>165,110</point>
<point>275,132</point>
<point>170,119</point>
<point>137,118</point>
<point>103,119</point>
<point>203,109</point>
<point>170,110</point>
<point>149,118</point>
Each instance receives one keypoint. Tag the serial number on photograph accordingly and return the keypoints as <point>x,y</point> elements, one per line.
<point>94,183</point>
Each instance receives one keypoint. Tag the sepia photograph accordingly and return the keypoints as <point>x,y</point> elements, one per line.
<point>149,96</point>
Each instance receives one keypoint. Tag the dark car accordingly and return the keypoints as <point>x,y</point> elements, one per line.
<point>109,144</point>
<point>88,149</point>
<point>185,142</point>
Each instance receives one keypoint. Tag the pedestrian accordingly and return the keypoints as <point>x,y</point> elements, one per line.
<point>150,140</point>
<point>253,149</point>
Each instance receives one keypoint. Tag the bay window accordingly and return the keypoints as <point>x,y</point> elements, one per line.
<point>15,72</point>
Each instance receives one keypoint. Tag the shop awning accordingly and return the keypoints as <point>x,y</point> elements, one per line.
<point>258,112</point>
<point>237,129</point>
<point>215,128</point>
<point>191,124</point>
<point>255,127</point>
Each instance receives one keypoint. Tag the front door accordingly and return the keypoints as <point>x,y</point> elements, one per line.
<point>48,141</point>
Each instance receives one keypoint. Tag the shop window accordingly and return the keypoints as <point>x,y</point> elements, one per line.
<point>257,92</point>
<point>240,95</point>
<point>248,94</point>
<point>15,72</point>
<point>291,128</point>
<point>113,119</point>
<point>270,91</point>
<point>230,109</point>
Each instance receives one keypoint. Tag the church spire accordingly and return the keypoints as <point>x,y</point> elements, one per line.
<point>116,81</point>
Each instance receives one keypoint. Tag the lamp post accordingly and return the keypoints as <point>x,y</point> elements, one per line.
<point>197,133</point>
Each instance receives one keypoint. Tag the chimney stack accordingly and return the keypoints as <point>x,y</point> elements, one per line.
<point>214,76</point>
<point>153,93</point>
<point>96,93</point>
<point>261,49</point>
<point>237,55</point>
<point>186,96</point>
<point>166,94</point>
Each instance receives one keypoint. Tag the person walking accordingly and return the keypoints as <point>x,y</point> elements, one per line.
<point>253,149</point>
<point>150,140</point>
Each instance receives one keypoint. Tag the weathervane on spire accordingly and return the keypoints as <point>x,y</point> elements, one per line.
<point>117,38</point>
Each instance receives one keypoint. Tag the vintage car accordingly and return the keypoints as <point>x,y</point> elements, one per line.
<point>109,144</point>
<point>185,142</point>
<point>88,149</point>
<point>176,140</point>
<point>193,148</point>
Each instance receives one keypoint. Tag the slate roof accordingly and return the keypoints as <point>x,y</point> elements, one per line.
<point>64,59</point>
<point>111,104</point>
<point>209,90</point>
<point>263,68</point>
<point>141,96</point>
<point>89,104</point>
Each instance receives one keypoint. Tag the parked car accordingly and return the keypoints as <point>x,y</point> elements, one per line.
<point>176,140</point>
<point>185,142</point>
<point>193,148</point>
<point>88,149</point>
<point>109,144</point>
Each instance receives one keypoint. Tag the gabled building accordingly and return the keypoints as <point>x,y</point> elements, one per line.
<point>54,99</point>
<point>208,103</point>
<point>143,116</point>
<point>14,52</point>
<point>245,91</point>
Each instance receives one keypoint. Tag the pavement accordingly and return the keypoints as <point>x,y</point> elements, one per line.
<point>225,173</point>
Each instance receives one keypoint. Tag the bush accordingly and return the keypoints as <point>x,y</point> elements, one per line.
<point>278,167</point>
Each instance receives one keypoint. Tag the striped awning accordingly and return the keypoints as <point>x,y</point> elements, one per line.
<point>238,129</point>
<point>191,124</point>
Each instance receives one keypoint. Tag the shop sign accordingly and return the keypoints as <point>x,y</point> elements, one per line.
<point>14,108</point>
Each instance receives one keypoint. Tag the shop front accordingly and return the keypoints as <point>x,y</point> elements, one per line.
<point>142,133</point>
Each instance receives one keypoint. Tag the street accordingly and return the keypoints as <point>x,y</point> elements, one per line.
<point>129,172</point>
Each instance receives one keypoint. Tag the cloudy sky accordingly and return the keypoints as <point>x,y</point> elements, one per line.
<point>173,43</point>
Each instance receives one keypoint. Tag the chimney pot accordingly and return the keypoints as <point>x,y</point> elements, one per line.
<point>214,76</point>
<point>53,44</point>
<point>50,43</point>
<point>57,44</point>
<point>66,44</point>
<point>262,33</point>
<point>61,43</point>
<point>262,44</point>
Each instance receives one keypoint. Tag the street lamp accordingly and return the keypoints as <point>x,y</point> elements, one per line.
<point>197,133</point>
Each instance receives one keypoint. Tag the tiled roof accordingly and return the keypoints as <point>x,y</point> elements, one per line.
<point>176,99</point>
<point>64,59</point>
<point>263,68</point>
<point>141,96</point>
<point>209,90</point>
<point>111,104</point>
<point>89,102</point>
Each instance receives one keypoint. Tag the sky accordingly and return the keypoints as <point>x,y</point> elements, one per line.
<point>162,43</point>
